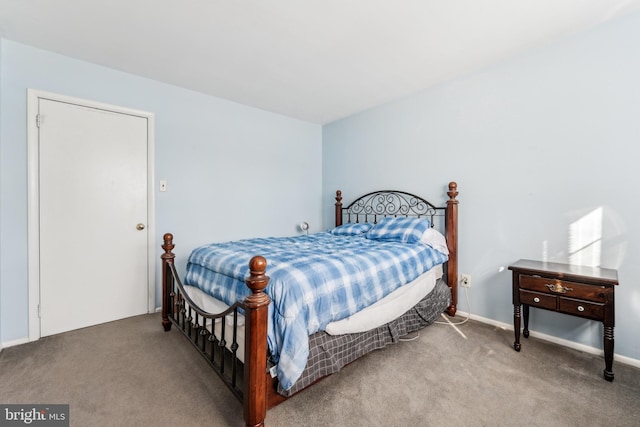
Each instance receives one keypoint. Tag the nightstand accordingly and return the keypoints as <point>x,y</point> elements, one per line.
<point>585,292</point>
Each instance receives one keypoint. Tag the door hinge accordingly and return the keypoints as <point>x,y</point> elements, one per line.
<point>38,120</point>
<point>39,311</point>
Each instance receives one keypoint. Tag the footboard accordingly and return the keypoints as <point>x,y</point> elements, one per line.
<point>217,335</point>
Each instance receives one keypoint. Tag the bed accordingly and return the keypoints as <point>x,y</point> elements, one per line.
<point>268,338</point>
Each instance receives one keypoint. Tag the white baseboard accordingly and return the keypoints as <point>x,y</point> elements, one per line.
<point>571,344</point>
<point>8,344</point>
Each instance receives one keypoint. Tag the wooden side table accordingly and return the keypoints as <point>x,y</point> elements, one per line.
<point>586,292</point>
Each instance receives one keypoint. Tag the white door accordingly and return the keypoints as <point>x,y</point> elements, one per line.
<point>93,214</point>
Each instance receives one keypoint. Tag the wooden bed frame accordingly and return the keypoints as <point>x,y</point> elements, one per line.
<point>250,381</point>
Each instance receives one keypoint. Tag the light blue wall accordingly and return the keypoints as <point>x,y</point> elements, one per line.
<point>535,144</point>
<point>233,171</point>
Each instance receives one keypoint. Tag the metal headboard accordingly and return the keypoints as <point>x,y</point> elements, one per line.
<point>378,204</point>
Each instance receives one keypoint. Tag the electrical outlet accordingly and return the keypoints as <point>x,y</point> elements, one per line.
<point>465,280</point>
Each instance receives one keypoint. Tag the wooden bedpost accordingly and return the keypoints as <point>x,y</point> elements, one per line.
<point>167,279</point>
<point>255,360</point>
<point>338,208</point>
<point>451,221</point>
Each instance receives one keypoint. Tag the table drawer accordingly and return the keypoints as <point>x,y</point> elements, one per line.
<point>536,299</point>
<point>563,288</point>
<point>581,308</point>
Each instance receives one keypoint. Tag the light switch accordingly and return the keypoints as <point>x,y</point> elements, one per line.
<point>163,185</point>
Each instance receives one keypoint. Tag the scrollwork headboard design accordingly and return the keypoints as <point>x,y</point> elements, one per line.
<point>378,204</point>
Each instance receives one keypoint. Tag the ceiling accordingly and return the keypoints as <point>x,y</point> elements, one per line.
<point>316,60</point>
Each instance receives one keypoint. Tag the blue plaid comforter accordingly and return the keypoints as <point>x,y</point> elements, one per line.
<point>315,279</point>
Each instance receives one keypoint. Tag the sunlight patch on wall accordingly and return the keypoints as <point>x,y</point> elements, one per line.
<point>585,239</point>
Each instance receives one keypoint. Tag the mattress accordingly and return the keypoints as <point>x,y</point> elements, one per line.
<point>388,308</point>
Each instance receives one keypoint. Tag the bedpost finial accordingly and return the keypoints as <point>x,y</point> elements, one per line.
<point>338,196</point>
<point>258,265</point>
<point>257,279</point>
<point>453,190</point>
<point>168,246</point>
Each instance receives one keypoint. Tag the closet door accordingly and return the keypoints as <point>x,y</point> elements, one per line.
<point>93,212</point>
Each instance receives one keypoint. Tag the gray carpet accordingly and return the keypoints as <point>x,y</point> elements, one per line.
<point>131,373</point>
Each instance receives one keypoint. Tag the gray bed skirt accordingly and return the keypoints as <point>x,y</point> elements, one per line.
<point>329,353</point>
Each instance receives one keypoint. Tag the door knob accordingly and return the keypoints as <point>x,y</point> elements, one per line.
<point>140,226</point>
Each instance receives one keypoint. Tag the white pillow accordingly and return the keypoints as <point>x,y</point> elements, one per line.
<point>435,239</point>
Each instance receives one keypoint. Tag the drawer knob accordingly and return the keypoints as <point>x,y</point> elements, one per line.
<point>558,288</point>
<point>580,308</point>
<point>536,299</point>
